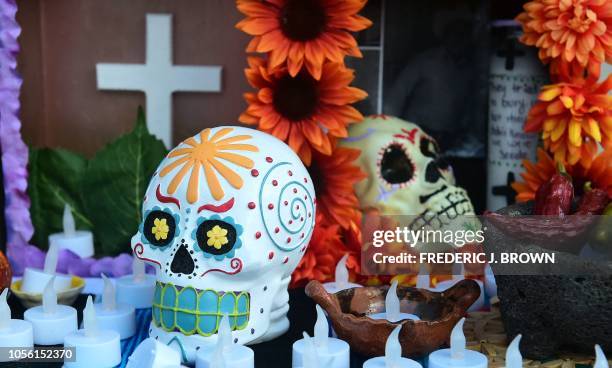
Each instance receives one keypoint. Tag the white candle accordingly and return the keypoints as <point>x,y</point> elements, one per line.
<point>13,332</point>
<point>51,322</point>
<point>35,280</point>
<point>393,355</point>
<point>151,353</point>
<point>341,280</point>
<point>111,315</point>
<point>330,352</point>
<point>225,353</point>
<point>457,356</point>
<point>514,359</point>
<point>138,288</point>
<point>392,307</point>
<point>79,242</point>
<point>94,348</point>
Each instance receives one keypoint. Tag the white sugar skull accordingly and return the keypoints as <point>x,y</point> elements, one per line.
<point>227,217</point>
<point>406,173</point>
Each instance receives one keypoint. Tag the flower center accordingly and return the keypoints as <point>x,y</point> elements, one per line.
<point>296,98</point>
<point>580,22</point>
<point>303,20</point>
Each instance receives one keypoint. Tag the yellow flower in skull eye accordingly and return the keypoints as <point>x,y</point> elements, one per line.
<point>160,229</point>
<point>217,237</point>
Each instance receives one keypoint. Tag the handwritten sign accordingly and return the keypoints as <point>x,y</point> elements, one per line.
<point>511,95</point>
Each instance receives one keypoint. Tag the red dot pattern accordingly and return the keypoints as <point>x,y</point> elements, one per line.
<point>251,205</point>
<point>254,173</point>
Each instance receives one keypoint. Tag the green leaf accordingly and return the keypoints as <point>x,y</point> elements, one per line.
<point>53,181</point>
<point>114,185</point>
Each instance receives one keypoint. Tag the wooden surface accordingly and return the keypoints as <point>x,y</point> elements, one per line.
<point>62,40</point>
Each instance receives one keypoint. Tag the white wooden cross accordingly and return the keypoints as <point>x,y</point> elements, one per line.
<point>158,78</point>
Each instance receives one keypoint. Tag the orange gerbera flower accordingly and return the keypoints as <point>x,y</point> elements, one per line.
<point>304,112</point>
<point>536,174</point>
<point>333,178</point>
<point>569,30</point>
<point>575,118</point>
<point>303,31</point>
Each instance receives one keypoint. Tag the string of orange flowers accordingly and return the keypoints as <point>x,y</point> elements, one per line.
<point>573,115</point>
<point>303,96</point>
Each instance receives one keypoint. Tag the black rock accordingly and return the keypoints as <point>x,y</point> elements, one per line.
<point>565,307</point>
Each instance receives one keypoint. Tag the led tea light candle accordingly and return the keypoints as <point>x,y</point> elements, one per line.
<point>114,316</point>
<point>151,353</point>
<point>136,289</point>
<point>341,280</point>
<point>13,332</point>
<point>514,359</point>
<point>335,353</point>
<point>79,242</point>
<point>94,348</point>
<point>600,359</point>
<point>35,280</point>
<point>457,356</point>
<point>392,307</point>
<point>225,353</point>
<point>393,355</point>
<point>51,322</point>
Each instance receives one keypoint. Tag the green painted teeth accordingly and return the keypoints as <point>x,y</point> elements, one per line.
<point>193,311</point>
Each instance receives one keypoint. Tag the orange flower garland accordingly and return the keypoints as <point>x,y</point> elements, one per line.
<point>569,31</point>
<point>333,178</point>
<point>304,98</point>
<point>536,174</point>
<point>304,112</point>
<point>303,32</point>
<point>575,118</point>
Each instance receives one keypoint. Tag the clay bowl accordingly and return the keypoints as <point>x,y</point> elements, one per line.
<point>439,312</point>
<point>565,308</point>
<point>66,297</point>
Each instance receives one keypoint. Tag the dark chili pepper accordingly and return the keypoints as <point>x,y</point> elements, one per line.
<point>554,198</point>
<point>593,201</point>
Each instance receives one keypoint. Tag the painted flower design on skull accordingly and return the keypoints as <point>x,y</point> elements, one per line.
<point>209,154</point>
<point>217,237</point>
<point>160,229</point>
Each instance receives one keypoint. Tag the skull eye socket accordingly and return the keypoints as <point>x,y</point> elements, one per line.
<point>429,147</point>
<point>159,228</point>
<point>395,166</point>
<point>216,237</point>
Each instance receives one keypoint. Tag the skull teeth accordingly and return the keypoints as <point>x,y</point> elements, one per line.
<point>194,311</point>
